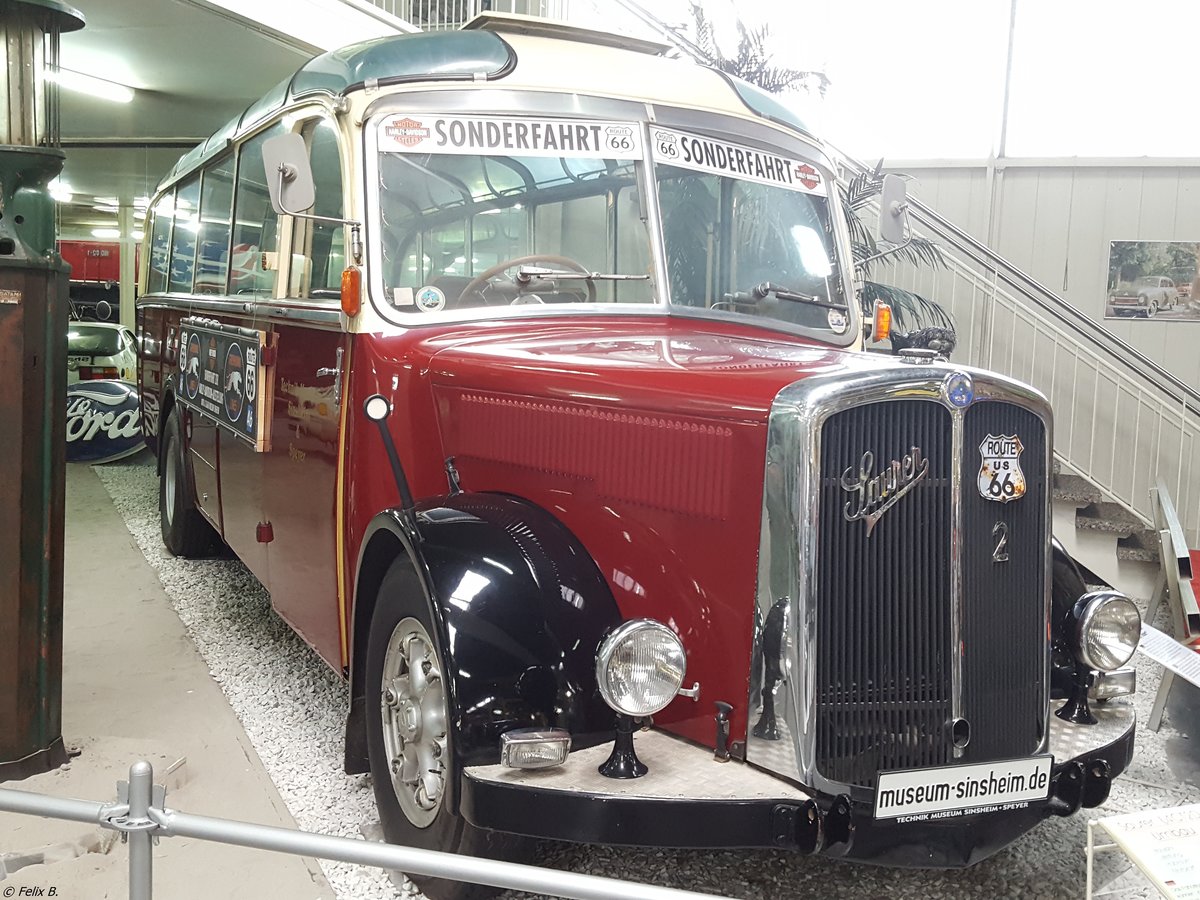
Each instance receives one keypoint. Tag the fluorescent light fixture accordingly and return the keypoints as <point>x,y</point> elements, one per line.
<point>91,85</point>
<point>105,207</point>
<point>137,234</point>
<point>106,232</point>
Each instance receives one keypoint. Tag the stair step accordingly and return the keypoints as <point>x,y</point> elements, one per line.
<point>1077,489</point>
<point>1136,554</point>
<point>1110,517</point>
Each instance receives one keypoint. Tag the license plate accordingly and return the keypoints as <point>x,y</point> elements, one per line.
<point>951,791</point>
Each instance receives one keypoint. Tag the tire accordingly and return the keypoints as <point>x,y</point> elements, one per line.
<point>185,532</point>
<point>411,721</point>
<point>1151,308</point>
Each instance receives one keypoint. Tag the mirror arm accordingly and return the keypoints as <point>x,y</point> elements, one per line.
<point>861,263</point>
<point>286,174</point>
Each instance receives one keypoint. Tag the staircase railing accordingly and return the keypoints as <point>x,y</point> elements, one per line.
<point>440,15</point>
<point>1121,419</point>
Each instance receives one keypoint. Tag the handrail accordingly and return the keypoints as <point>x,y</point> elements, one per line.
<point>1097,334</point>
<point>141,815</point>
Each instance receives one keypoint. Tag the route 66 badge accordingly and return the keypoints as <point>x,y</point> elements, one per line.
<point>1000,475</point>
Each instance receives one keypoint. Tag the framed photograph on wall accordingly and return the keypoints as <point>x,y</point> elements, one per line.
<point>1153,280</point>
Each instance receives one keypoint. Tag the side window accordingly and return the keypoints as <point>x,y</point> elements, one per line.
<point>256,227</point>
<point>318,255</point>
<point>183,236</point>
<point>160,244</point>
<point>216,201</point>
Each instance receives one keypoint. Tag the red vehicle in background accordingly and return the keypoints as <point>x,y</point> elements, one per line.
<point>95,277</point>
<point>524,367</point>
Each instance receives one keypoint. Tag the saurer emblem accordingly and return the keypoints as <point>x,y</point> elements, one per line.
<point>871,495</point>
<point>1000,475</point>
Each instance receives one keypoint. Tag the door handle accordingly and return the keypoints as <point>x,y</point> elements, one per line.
<point>336,372</point>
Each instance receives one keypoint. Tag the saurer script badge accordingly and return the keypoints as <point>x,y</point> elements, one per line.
<point>1000,475</point>
<point>872,495</point>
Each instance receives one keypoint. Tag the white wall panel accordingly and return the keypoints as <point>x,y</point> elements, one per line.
<point>1056,221</point>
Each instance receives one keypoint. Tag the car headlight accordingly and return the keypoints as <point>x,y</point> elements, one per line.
<point>640,667</point>
<point>1108,628</point>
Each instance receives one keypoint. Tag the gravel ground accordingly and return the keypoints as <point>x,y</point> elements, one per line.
<point>293,706</point>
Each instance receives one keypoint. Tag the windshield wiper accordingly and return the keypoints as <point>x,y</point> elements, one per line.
<point>526,274</point>
<point>767,288</point>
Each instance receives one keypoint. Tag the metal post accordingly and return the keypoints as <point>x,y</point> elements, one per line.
<point>141,854</point>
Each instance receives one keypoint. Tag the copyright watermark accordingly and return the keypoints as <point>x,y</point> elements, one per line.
<point>27,890</point>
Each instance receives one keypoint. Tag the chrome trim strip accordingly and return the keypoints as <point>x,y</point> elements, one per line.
<point>295,311</point>
<point>957,611</point>
<point>791,490</point>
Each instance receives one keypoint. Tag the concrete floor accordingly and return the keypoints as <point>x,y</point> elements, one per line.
<point>134,687</point>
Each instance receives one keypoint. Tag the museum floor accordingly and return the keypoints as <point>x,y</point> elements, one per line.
<point>255,716</point>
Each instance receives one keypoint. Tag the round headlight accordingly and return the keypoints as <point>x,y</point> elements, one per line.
<point>640,667</point>
<point>1109,629</point>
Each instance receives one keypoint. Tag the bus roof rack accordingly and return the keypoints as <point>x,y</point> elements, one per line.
<point>514,23</point>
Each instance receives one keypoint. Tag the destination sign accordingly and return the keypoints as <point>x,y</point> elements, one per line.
<point>509,136</point>
<point>704,154</point>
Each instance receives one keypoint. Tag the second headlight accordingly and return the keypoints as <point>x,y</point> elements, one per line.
<point>640,667</point>
<point>1108,628</point>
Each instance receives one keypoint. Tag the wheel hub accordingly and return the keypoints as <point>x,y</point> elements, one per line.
<point>413,708</point>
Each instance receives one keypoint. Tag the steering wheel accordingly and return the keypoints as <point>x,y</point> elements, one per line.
<point>481,283</point>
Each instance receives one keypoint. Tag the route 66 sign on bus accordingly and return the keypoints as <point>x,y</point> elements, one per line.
<point>1000,475</point>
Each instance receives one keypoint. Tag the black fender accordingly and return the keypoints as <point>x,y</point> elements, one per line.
<point>519,607</point>
<point>1067,585</point>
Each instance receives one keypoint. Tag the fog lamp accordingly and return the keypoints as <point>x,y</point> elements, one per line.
<point>1108,627</point>
<point>640,667</point>
<point>534,748</point>
<point>1118,683</point>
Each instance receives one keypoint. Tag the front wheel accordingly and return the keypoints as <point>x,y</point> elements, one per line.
<point>410,739</point>
<point>185,532</point>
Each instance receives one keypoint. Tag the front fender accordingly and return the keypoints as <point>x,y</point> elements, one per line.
<point>519,608</point>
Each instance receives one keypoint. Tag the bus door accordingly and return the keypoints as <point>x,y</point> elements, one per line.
<point>311,369</point>
<point>248,276</point>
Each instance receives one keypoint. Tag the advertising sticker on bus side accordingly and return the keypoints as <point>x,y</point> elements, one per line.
<point>949,791</point>
<point>703,154</point>
<point>506,136</point>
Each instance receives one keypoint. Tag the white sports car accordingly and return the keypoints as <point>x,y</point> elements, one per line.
<point>98,350</point>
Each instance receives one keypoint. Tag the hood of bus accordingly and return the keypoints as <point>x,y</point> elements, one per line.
<point>647,439</point>
<point>674,365</point>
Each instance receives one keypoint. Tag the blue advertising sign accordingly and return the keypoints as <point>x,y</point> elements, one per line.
<point>103,421</point>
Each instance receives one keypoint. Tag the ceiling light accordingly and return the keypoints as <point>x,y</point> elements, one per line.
<point>106,232</point>
<point>105,207</point>
<point>91,85</point>
<point>137,235</point>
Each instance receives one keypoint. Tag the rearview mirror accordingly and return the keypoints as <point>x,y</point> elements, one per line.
<point>289,175</point>
<point>893,206</point>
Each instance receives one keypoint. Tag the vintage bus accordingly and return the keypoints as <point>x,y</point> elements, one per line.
<point>525,366</point>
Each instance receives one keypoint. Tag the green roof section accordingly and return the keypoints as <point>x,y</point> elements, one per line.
<point>766,105</point>
<point>431,56</point>
<point>428,56</point>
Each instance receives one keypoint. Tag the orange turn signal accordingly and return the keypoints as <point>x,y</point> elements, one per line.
<point>881,326</point>
<point>351,290</point>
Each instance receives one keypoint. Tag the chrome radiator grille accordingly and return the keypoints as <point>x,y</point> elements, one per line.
<point>884,598</point>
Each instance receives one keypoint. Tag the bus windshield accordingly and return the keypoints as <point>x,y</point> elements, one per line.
<point>748,232</point>
<point>487,211</point>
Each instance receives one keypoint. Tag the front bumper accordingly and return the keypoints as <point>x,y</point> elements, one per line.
<point>690,800</point>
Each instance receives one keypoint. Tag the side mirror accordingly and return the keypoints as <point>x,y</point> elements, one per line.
<point>289,174</point>
<point>893,206</point>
